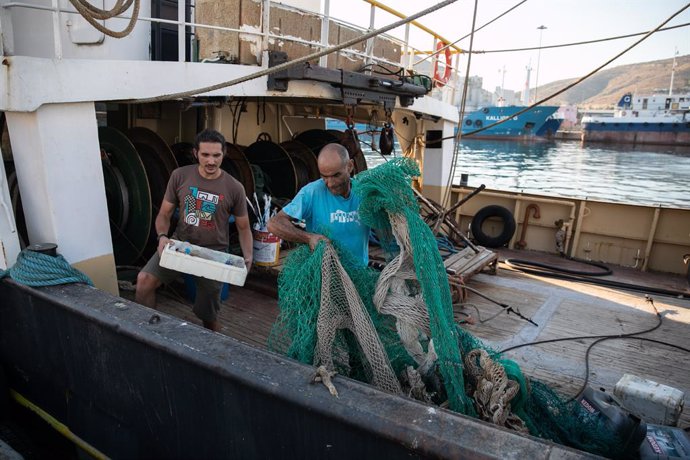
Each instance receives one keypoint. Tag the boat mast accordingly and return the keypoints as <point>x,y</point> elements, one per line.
<point>502,98</point>
<point>673,71</point>
<point>525,98</point>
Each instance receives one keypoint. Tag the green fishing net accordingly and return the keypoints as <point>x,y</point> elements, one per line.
<point>395,328</point>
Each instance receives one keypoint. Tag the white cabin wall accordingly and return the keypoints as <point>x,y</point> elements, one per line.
<point>9,236</point>
<point>296,125</point>
<point>248,129</point>
<point>171,123</point>
<point>438,159</point>
<point>33,33</point>
<point>57,158</point>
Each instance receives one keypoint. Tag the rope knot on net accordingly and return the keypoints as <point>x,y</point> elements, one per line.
<point>493,390</point>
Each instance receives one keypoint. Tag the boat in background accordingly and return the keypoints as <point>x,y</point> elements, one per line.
<point>643,119</point>
<point>536,123</point>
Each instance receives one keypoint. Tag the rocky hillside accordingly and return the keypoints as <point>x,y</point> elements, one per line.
<point>605,88</point>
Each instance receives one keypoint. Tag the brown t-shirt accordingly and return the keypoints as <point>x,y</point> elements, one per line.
<point>205,206</point>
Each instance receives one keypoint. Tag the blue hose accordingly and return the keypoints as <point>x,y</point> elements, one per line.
<point>445,244</point>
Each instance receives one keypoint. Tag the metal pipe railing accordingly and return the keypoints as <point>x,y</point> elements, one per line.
<point>181,22</point>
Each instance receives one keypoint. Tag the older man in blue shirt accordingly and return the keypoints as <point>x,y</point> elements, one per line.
<point>328,206</point>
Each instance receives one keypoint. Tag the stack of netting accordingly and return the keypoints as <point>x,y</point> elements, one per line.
<point>395,329</point>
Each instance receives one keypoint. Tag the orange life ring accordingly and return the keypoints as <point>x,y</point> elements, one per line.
<point>438,79</point>
<point>623,113</point>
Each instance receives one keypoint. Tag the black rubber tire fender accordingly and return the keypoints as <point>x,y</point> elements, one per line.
<point>493,211</point>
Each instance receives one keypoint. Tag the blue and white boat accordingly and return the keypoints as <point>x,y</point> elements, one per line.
<point>643,119</point>
<point>536,123</point>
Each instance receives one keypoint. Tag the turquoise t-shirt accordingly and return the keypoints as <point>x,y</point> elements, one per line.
<point>333,216</point>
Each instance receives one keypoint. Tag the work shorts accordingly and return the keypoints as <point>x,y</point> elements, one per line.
<point>207,300</point>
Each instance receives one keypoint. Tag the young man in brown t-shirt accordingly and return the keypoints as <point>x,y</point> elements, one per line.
<point>206,196</point>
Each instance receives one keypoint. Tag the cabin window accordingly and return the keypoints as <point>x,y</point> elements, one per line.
<point>468,122</point>
<point>644,103</point>
<point>667,104</point>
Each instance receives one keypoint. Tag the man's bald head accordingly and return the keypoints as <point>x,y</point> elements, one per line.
<point>335,168</point>
<point>332,153</point>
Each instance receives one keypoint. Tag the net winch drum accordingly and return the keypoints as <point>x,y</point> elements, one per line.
<point>276,165</point>
<point>306,167</point>
<point>183,153</point>
<point>236,164</point>
<point>159,163</point>
<point>128,195</point>
<point>316,139</point>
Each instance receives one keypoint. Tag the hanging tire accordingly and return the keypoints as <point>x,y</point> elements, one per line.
<point>486,213</point>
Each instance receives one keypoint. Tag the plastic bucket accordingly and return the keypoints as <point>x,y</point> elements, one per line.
<point>266,249</point>
<point>190,288</point>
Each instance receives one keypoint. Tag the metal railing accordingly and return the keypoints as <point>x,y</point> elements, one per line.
<point>406,59</point>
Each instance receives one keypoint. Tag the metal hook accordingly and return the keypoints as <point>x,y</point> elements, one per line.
<point>349,111</point>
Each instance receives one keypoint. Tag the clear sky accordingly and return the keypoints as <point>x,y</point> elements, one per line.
<point>566,21</point>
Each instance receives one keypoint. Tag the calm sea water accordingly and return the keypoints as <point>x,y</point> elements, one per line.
<point>648,175</point>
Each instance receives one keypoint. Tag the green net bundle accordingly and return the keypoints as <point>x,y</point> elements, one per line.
<point>333,313</point>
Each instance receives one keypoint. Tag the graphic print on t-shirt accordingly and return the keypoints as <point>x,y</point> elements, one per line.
<point>344,217</point>
<point>200,207</point>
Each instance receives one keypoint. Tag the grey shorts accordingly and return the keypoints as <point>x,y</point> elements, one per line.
<point>207,301</point>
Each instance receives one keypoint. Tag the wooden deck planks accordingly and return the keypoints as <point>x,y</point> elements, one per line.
<point>590,310</point>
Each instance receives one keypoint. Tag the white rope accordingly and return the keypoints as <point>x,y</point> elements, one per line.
<point>399,294</point>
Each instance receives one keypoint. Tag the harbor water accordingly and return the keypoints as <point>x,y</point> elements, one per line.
<point>646,175</point>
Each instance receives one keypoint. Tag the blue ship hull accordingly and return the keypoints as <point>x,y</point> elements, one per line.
<point>533,124</point>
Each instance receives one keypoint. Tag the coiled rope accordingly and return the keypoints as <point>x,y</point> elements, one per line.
<point>93,15</point>
<point>36,269</point>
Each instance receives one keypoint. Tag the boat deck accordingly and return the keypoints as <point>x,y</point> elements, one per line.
<point>561,309</point>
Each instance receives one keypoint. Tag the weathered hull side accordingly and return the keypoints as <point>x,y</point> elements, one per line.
<point>638,133</point>
<point>137,388</point>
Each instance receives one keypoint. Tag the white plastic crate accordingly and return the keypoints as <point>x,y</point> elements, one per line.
<point>651,401</point>
<point>204,262</point>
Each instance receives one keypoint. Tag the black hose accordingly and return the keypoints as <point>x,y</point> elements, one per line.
<point>553,272</point>
<point>602,338</point>
<point>520,264</point>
